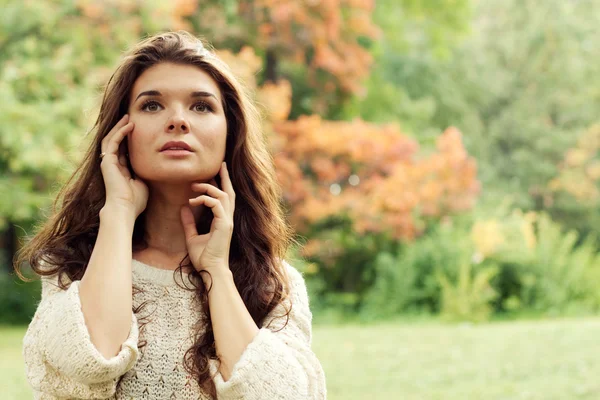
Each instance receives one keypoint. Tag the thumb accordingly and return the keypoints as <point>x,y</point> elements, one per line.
<point>188,222</point>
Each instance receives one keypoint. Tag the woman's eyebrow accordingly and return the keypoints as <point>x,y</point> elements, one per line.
<point>192,95</point>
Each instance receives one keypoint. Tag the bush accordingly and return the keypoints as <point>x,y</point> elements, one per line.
<point>395,290</point>
<point>560,276</point>
<point>18,299</point>
<point>408,280</point>
<point>467,270</point>
<point>469,297</point>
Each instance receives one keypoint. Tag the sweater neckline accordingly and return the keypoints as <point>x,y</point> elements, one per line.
<point>160,276</point>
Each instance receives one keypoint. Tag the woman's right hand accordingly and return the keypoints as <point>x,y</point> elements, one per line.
<point>122,190</point>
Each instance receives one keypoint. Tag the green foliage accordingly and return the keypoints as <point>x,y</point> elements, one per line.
<point>521,85</point>
<point>314,284</point>
<point>407,281</point>
<point>430,25</point>
<point>574,197</point>
<point>551,274</point>
<point>394,292</point>
<point>561,276</point>
<point>543,267</point>
<point>573,213</point>
<point>469,297</point>
<point>18,300</point>
<point>345,271</point>
<point>470,269</point>
<point>430,29</point>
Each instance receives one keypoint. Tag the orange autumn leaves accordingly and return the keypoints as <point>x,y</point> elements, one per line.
<point>323,34</point>
<point>373,174</point>
<point>325,29</point>
<point>579,173</point>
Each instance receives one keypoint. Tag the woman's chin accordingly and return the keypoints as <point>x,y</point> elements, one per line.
<point>175,176</point>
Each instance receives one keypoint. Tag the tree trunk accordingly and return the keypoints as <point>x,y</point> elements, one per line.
<point>271,66</point>
<point>8,243</point>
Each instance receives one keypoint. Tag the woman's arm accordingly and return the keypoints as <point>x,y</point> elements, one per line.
<point>277,361</point>
<point>106,287</point>
<point>60,360</point>
<point>83,339</point>
<point>232,324</point>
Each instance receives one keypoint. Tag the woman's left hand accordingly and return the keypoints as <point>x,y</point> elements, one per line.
<point>210,252</point>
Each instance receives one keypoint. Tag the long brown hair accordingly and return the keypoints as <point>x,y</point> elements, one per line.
<point>261,236</point>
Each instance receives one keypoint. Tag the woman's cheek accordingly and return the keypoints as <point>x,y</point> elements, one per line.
<point>137,149</point>
<point>137,138</point>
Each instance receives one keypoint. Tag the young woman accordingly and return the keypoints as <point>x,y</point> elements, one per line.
<point>163,272</point>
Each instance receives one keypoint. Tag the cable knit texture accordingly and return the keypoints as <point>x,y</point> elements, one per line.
<point>62,363</point>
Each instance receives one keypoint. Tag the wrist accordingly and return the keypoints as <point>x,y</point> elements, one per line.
<point>117,213</point>
<point>222,274</point>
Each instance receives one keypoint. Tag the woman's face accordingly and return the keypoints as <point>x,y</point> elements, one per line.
<point>176,103</point>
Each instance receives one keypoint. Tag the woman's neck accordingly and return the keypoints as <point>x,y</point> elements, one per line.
<point>162,218</point>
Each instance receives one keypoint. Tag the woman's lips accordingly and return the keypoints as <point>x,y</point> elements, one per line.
<point>176,145</point>
<point>176,152</point>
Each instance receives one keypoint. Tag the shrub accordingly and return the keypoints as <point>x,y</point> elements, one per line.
<point>508,263</point>
<point>18,300</point>
<point>469,296</point>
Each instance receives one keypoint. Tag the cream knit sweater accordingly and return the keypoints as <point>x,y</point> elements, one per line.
<point>62,363</point>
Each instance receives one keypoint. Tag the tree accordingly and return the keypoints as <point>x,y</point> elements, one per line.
<point>521,86</point>
<point>573,195</point>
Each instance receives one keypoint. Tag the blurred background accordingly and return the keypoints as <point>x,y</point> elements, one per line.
<point>440,163</point>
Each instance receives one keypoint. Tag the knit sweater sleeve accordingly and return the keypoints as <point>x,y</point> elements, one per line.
<point>279,362</point>
<point>60,359</point>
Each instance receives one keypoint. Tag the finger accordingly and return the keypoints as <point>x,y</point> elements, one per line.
<point>209,189</point>
<point>188,222</point>
<point>112,146</point>
<point>226,182</point>
<point>215,205</point>
<point>121,123</point>
<point>214,192</point>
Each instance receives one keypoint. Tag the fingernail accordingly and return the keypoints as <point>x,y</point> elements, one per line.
<point>126,117</point>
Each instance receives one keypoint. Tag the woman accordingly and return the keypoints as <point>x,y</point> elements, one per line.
<point>162,268</point>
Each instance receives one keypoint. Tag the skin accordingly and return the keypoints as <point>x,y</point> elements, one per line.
<point>180,189</point>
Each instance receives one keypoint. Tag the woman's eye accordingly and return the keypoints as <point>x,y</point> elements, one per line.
<point>151,106</point>
<point>202,107</point>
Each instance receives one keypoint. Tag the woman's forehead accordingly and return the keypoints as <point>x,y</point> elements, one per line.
<point>175,80</point>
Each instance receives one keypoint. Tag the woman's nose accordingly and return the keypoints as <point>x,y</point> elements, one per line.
<point>177,124</point>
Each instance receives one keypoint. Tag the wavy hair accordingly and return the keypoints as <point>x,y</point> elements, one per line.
<point>64,243</point>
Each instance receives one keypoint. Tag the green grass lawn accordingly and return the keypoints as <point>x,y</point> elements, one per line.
<point>548,359</point>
